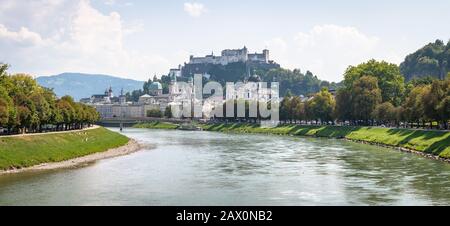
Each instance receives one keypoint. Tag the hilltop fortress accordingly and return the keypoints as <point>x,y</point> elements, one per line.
<point>202,65</point>
<point>231,56</point>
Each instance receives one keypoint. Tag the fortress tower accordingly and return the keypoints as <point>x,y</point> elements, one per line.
<point>201,65</point>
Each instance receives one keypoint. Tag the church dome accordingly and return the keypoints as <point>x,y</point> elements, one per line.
<point>155,86</point>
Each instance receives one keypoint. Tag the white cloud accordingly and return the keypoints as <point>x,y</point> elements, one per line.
<point>327,50</point>
<point>89,41</point>
<point>194,9</point>
<point>23,37</point>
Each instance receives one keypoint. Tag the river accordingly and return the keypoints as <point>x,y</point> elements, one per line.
<point>207,168</point>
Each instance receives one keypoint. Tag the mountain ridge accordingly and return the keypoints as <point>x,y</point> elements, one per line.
<point>83,85</point>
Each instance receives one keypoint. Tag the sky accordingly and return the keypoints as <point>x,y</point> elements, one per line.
<point>141,38</point>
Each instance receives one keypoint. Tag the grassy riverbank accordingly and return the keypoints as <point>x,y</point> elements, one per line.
<point>157,125</point>
<point>430,142</point>
<point>26,151</point>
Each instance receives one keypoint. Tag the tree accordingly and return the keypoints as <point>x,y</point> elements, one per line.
<point>389,79</point>
<point>285,107</point>
<point>294,107</point>
<point>365,97</point>
<point>435,101</point>
<point>50,98</point>
<point>413,108</point>
<point>300,111</point>
<point>322,106</point>
<point>3,69</point>
<point>4,112</point>
<point>154,113</point>
<point>5,100</point>
<point>67,111</point>
<point>343,110</point>
<point>42,109</point>
<point>443,107</point>
<point>444,111</point>
<point>385,113</point>
<point>168,112</point>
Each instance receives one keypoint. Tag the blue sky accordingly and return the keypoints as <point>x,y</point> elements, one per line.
<point>137,39</point>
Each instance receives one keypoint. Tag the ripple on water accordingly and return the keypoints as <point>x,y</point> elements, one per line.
<point>204,168</point>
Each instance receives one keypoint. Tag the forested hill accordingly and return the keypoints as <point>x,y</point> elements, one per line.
<point>295,81</point>
<point>431,60</point>
<point>80,85</point>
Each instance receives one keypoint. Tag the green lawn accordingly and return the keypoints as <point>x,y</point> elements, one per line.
<point>19,152</point>
<point>157,125</point>
<point>433,142</point>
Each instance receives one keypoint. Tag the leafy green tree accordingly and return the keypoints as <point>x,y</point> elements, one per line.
<point>154,113</point>
<point>444,111</point>
<point>390,81</point>
<point>294,106</point>
<point>435,101</point>
<point>5,100</point>
<point>322,106</point>
<point>300,111</point>
<point>365,97</point>
<point>285,107</point>
<point>3,69</point>
<point>413,107</point>
<point>385,113</point>
<point>42,108</point>
<point>23,84</point>
<point>4,112</point>
<point>67,111</point>
<point>343,110</point>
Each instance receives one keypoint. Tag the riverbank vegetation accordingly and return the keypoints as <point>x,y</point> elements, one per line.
<point>373,94</point>
<point>431,142</point>
<point>26,107</point>
<point>157,125</point>
<point>30,150</point>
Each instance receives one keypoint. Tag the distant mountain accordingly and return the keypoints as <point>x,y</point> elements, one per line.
<point>80,85</point>
<point>431,60</point>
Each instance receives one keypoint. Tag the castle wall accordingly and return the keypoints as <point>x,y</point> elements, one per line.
<point>260,57</point>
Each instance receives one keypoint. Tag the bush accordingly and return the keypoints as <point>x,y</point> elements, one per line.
<point>155,113</point>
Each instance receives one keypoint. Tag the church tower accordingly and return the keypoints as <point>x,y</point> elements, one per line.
<point>110,92</point>
<point>122,98</point>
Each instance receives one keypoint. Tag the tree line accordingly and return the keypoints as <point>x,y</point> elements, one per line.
<point>373,94</point>
<point>26,107</point>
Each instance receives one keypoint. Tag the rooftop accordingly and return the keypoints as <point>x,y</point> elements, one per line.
<point>155,86</point>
